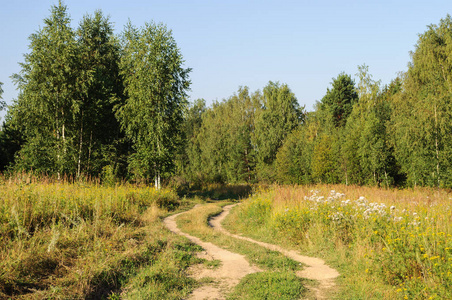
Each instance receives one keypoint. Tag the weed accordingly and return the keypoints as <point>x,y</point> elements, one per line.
<point>212,264</point>
<point>62,240</point>
<point>397,242</point>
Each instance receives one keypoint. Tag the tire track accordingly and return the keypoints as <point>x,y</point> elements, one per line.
<point>233,266</point>
<point>316,268</point>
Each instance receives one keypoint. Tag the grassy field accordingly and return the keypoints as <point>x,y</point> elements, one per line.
<point>387,244</point>
<point>86,241</point>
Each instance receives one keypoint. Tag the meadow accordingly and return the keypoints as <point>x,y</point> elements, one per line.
<point>387,244</point>
<point>62,240</point>
<point>86,241</point>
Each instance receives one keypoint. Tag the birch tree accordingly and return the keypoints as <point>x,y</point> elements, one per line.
<point>100,88</point>
<point>155,86</point>
<point>2,103</point>
<point>279,114</point>
<point>47,102</point>
<point>422,114</point>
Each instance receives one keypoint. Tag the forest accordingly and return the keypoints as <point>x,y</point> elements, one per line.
<point>93,104</point>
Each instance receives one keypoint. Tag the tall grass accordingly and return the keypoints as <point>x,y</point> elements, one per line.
<point>391,244</point>
<point>62,240</point>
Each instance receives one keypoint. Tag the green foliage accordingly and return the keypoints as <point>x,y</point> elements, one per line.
<point>189,162</point>
<point>220,148</point>
<point>293,160</point>
<point>323,160</point>
<point>155,85</point>
<point>279,115</point>
<point>421,120</point>
<point>99,138</point>
<point>269,285</point>
<point>48,101</point>
<point>10,142</point>
<point>339,101</point>
<point>68,85</point>
<point>90,105</point>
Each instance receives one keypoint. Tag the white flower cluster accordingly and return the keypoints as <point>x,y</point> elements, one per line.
<point>361,207</point>
<point>374,209</point>
<point>337,217</point>
<point>320,199</point>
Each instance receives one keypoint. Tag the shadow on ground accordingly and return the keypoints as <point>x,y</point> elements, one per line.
<point>216,191</point>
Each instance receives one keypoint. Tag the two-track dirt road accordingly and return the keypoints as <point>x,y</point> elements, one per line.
<point>234,266</point>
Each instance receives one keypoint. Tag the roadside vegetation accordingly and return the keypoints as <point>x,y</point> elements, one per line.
<point>99,117</point>
<point>387,244</point>
<point>86,241</point>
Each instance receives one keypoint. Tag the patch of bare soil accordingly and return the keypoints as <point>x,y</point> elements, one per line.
<point>233,267</point>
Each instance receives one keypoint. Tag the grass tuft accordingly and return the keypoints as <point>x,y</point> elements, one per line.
<point>269,286</point>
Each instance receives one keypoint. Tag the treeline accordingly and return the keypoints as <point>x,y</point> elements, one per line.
<point>360,132</point>
<point>95,104</point>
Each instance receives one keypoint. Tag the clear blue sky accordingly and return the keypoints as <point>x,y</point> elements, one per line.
<point>233,43</point>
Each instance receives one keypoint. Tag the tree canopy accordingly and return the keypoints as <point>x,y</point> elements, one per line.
<point>92,103</point>
<point>155,87</point>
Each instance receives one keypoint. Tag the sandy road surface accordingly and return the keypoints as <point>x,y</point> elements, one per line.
<point>316,268</point>
<point>234,266</point>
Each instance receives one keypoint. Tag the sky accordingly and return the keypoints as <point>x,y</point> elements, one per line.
<point>229,43</point>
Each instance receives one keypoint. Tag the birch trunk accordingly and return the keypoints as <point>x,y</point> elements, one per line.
<point>436,145</point>
<point>80,147</point>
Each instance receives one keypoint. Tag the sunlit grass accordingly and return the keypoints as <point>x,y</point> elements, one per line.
<point>397,241</point>
<point>85,241</point>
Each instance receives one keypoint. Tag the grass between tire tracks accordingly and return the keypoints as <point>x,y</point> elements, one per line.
<point>278,281</point>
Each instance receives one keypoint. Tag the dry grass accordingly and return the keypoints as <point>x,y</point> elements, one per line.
<point>79,241</point>
<point>388,244</point>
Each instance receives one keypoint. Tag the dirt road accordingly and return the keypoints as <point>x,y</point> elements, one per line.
<point>234,266</point>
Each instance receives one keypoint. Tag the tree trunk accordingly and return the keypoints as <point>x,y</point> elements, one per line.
<point>436,146</point>
<point>80,147</point>
<point>157,179</point>
<point>157,168</point>
<point>386,178</point>
<point>57,123</point>
<point>346,176</point>
<point>89,151</point>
